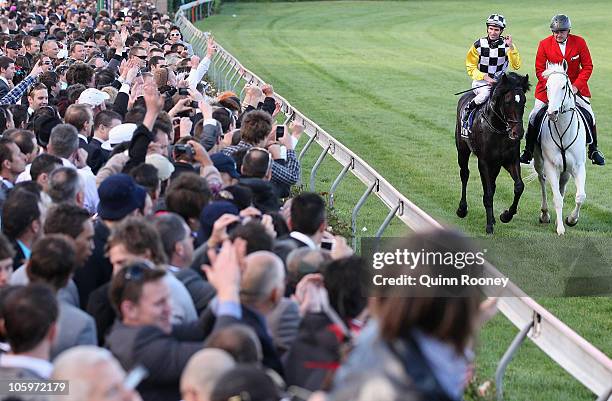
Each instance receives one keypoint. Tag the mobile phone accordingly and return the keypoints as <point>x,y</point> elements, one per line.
<point>183,91</point>
<point>327,244</point>
<point>280,131</point>
<point>193,104</point>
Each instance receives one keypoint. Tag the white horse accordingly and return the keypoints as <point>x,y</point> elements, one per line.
<point>561,152</point>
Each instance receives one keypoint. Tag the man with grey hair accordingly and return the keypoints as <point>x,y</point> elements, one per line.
<point>202,373</point>
<point>64,143</point>
<point>261,289</point>
<point>65,185</point>
<point>178,246</point>
<point>94,374</point>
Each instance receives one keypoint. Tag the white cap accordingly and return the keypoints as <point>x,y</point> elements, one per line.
<point>118,134</point>
<point>93,97</point>
<point>63,53</point>
<point>164,167</point>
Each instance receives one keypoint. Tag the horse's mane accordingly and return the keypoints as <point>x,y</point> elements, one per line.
<point>552,68</point>
<point>512,80</point>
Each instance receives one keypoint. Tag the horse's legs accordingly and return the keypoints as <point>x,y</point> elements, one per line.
<point>538,164</point>
<point>553,179</point>
<point>488,175</point>
<point>463,159</point>
<point>579,180</point>
<point>544,215</point>
<point>563,180</point>
<point>515,172</point>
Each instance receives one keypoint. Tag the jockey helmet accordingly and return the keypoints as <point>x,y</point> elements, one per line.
<point>497,20</point>
<point>560,22</point>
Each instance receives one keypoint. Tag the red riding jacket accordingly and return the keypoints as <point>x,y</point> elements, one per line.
<point>579,63</point>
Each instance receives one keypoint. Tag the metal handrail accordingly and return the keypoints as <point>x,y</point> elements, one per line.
<point>578,357</point>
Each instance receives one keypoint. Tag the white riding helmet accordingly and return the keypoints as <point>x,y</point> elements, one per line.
<point>497,20</point>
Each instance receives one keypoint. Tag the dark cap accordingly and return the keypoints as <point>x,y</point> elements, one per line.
<point>119,196</point>
<point>13,45</point>
<point>225,164</point>
<point>210,214</point>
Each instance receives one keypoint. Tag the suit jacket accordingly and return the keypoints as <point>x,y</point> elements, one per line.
<point>4,88</point>
<point>97,270</point>
<point>163,355</point>
<point>579,63</point>
<point>100,308</point>
<point>75,327</point>
<point>200,290</point>
<point>97,156</point>
<point>14,374</point>
<point>284,322</point>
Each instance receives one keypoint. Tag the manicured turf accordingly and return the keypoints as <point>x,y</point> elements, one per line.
<point>380,76</point>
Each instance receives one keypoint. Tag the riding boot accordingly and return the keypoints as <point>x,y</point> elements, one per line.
<point>466,113</point>
<point>594,154</point>
<point>530,141</point>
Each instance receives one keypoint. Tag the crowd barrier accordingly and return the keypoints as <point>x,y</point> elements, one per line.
<point>578,357</point>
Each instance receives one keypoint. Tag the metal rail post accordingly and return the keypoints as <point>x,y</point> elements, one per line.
<point>332,190</point>
<point>508,355</point>
<point>388,219</point>
<point>313,172</point>
<point>225,80</point>
<point>356,209</point>
<point>310,141</point>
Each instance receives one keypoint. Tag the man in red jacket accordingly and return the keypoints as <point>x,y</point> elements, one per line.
<point>561,45</point>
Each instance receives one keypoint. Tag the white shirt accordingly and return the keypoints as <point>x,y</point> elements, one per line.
<point>39,366</point>
<point>89,183</point>
<point>304,238</point>
<point>562,47</point>
<point>25,175</point>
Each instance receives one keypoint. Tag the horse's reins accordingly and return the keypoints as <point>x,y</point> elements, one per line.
<point>501,117</point>
<point>573,110</point>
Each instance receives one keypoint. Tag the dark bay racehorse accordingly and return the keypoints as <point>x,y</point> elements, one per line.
<point>494,139</point>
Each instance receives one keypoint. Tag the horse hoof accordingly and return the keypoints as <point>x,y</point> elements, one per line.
<point>545,219</point>
<point>490,230</point>
<point>462,211</point>
<point>569,223</point>
<point>560,231</point>
<point>506,216</point>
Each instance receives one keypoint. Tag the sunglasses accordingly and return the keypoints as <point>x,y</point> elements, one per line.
<point>175,34</point>
<point>141,57</point>
<point>135,272</point>
<point>47,63</point>
<point>89,47</point>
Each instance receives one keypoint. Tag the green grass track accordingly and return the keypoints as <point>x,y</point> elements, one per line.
<point>379,76</point>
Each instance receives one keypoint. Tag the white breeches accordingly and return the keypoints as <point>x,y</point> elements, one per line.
<point>482,94</point>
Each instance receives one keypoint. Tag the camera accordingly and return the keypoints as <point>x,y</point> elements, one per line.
<point>183,92</point>
<point>186,150</point>
<point>193,104</point>
<point>280,131</point>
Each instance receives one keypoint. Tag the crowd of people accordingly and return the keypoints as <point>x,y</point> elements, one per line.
<point>151,248</point>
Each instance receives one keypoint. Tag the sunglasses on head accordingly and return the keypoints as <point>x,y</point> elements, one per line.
<point>135,271</point>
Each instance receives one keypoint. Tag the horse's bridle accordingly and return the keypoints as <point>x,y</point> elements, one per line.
<point>509,123</point>
<point>560,135</point>
<point>568,91</point>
